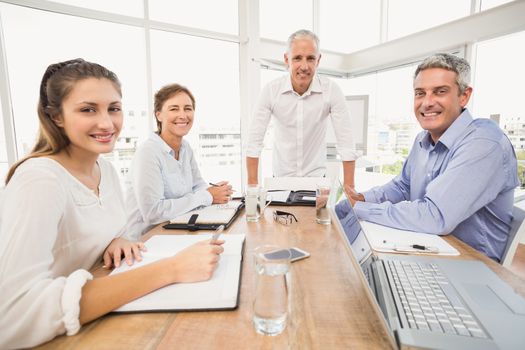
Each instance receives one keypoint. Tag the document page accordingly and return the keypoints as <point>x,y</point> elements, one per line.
<point>219,292</point>
<point>213,214</point>
<point>391,240</point>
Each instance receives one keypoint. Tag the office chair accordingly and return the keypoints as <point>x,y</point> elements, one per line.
<point>516,232</point>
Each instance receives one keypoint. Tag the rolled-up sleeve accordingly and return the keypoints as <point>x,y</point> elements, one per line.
<point>473,178</point>
<point>259,123</point>
<point>35,306</point>
<point>342,124</point>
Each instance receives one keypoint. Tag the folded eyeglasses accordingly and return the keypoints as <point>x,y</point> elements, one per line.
<point>284,217</point>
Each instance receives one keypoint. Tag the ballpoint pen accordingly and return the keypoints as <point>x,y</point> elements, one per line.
<point>216,235</point>
<point>216,185</point>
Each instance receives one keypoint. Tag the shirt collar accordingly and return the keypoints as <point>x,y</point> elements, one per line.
<point>315,86</point>
<point>165,147</point>
<point>450,135</point>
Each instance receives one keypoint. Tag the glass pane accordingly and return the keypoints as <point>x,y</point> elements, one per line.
<point>408,16</point>
<point>133,8</point>
<point>117,47</point>
<point>279,19</point>
<point>392,126</point>
<point>210,69</point>
<point>3,151</point>
<point>495,94</point>
<point>349,25</point>
<point>488,4</point>
<point>267,75</point>
<point>219,16</point>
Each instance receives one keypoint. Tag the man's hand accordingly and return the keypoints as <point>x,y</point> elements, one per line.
<point>353,196</point>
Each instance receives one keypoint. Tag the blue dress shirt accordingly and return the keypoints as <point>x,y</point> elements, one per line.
<point>463,185</point>
<point>162,187</point>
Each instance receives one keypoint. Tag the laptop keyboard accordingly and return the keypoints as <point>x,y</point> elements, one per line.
<point>429,302</point>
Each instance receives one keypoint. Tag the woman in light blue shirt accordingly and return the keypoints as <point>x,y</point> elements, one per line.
<point>165,178</point>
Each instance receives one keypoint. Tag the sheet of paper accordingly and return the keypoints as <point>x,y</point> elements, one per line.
<point>218,292</point>
<point>391,240</point>
<point>213,214</point>
<point>278,196</point>
<point>294,183</point>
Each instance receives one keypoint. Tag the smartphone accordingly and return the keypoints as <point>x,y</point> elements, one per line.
<point>297,254</point>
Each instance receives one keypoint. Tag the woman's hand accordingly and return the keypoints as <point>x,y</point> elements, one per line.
<point>121,246</point>
<point>197,262</point>
<point>221,193</point>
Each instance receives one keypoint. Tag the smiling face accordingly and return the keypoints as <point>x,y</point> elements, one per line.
<point>91,116</point>
<point>302,61</point>
<point>437,100</point>
<point>176,116</point>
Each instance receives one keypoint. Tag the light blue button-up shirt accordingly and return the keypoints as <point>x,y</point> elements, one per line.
<point>162,187</point>
<point>463,185</point>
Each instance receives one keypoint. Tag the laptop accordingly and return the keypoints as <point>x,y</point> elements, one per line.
<point>430,302</point>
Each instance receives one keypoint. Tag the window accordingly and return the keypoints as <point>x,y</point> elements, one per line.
<point>46,41</point>
<point>392,126</point>
<point>279,19</point>
<point>349,25</point>
<point>488,4</point>
<point>407,16</point>
<point>220,16</point>
<point>210,69</point>
<point>4,166</point>
<point>133,8</point>
<point>498,88</point>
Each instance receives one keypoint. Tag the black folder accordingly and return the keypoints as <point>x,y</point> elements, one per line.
<point>296,198</point>
<point>193,223</point>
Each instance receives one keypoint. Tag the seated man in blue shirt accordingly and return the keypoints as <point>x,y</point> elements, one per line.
<point>460,175</point>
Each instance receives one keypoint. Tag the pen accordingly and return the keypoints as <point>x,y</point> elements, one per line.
<point>216,185</point>
<point>217,234</point>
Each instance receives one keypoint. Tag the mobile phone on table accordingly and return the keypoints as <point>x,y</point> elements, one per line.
<point>297,254</point>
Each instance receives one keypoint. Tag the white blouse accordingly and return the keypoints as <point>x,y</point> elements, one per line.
<point>52,230</point>
<point>162,187</point>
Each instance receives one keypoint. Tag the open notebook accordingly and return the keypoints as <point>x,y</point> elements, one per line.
<point>207,218</point>
<point>221,292</point>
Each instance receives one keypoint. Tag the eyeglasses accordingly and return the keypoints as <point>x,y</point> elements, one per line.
<point>283,217</point>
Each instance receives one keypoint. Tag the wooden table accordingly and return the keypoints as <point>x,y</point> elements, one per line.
<point>330,309</point>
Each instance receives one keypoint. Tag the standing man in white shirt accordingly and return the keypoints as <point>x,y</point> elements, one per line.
<point>300,104</point>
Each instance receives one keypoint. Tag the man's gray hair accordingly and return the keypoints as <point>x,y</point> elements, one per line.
<point>301,34</point>
<point>450,62</point>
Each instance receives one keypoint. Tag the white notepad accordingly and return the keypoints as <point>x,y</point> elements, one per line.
<point>391,240</point>
<point>218,293</point>
<point>213,214</point>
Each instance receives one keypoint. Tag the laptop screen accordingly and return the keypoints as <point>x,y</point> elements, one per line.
<point>346,220</point>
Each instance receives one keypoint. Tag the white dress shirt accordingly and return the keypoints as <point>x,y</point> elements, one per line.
<point>300,126</point>
<point>53,229</point>
<point>162,187</point>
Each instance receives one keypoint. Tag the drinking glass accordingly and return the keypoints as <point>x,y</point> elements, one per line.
<point>251,201</point>
<point>270,306</point>
<point>322,216</point>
